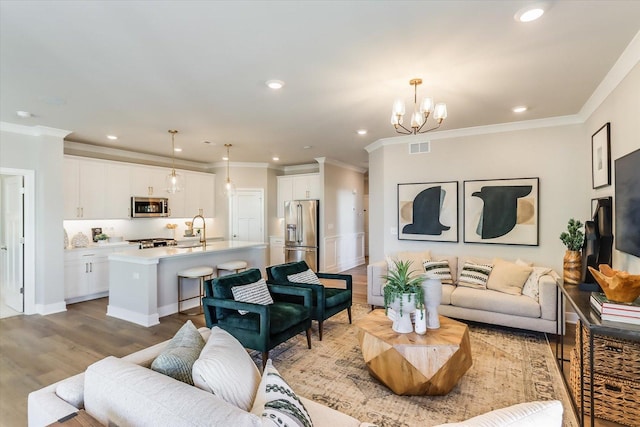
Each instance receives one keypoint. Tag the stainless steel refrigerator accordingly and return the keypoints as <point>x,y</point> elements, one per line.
<point>301,220</point>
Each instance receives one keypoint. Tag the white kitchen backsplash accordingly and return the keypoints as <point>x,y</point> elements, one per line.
<point>138,228</point>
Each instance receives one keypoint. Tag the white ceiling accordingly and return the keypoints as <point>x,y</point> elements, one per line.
<point>138,68</point>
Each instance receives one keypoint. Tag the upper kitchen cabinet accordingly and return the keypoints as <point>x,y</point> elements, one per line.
<point>84,188</point>
<point>297,187</point>
<point>118,191</point>
<point>199,190</point>
<point>148,181</point>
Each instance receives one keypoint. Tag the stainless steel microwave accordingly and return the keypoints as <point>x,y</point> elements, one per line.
<point>149,207</point>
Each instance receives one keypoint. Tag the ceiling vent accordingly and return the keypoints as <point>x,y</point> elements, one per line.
<point>419,147</point>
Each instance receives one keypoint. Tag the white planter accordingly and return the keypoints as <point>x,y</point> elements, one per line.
<point>421,321</point>
<point>402,323</point>
<point>432,299</point>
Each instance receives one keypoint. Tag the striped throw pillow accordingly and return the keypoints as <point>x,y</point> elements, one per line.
<point>475,275</point>
<point>438,270</point>
<point>304,277</point>
<point>255,293</point>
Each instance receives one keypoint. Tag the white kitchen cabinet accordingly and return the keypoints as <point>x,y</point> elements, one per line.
<point>199,194</point>
<point>276,250</point>
<point>118,191</point>
<point>297,187</point>
<point>149,181</point>
<point>84,187</point>
<point>86,274</point>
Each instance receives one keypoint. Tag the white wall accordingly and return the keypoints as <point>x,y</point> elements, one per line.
<point>622,109</point>
<point>42,152</point>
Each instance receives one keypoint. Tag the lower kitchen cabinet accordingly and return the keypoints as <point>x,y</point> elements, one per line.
<point>276,250</point>
<point>86,274</point>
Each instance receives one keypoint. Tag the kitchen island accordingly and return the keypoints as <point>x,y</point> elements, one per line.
<point>143,283</point>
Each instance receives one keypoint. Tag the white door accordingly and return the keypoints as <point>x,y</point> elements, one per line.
<point>12,242</point>
<point>246,215</point>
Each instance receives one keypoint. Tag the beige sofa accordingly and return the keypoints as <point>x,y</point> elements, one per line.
<point>125,392</point>
<point>481,305</point>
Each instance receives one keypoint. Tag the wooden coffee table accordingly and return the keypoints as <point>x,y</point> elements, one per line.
<point>412,364</point>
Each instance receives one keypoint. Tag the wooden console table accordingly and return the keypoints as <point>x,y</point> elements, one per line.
<point>412,364</point>
<point>592,325</point>
<point>78,419</point>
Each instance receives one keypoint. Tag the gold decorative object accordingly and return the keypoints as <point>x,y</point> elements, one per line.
<point>420,113</point>
<point>572,267</point>
<point>619,286</point>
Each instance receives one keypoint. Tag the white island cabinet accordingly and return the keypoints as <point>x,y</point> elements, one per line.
<point>143,284</point>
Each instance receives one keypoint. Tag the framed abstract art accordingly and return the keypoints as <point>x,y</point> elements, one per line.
<point>501,211</point>
<point>428,211</point>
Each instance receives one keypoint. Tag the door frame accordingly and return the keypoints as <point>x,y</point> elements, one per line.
<point>230,212</point>
<point>29,224</point>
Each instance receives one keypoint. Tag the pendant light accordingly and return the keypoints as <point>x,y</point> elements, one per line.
<point>174,179</point>
<point>229,186</point>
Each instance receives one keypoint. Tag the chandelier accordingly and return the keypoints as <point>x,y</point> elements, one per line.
<point>420,115</point>
<point>174,180</point>
<point>229,186</point>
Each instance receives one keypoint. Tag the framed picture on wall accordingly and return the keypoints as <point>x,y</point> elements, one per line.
<point>501,211</point>
<point>428,211</point>
<point>601,157</point>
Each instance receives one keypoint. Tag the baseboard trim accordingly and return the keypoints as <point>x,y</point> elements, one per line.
<point>45,309</point>
<point>133,317</point>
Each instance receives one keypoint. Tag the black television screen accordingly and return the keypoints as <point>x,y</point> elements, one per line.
<point>627,200</point>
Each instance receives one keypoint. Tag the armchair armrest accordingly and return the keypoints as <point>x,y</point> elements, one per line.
<point>305,293</point>
<point>261,310</point>
<point>346,277</point>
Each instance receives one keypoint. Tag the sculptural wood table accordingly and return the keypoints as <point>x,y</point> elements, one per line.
<point>412,364</point>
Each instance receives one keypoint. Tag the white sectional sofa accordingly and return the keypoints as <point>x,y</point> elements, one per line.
<point>125,392</point>
<point>481,305</point>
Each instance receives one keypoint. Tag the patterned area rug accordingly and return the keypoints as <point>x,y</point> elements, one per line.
<point>509,367</point>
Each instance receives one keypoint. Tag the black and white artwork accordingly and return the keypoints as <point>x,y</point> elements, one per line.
<point>502,211</point>
<point>428,211</point>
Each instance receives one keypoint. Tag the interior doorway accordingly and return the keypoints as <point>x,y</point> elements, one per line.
<point>246,215</point>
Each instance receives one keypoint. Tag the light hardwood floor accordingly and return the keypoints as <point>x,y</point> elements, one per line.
<point>39,350</point>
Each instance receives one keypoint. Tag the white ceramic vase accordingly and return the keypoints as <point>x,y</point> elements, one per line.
<point>420,324</point>
<point>402,323</point>
<point>432,299</point>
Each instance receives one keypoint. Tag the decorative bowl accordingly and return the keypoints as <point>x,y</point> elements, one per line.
<point>619,286</point>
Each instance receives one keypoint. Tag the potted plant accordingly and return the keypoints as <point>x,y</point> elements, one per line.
<point>101,238</point>
<point>573,239</point>
<point>403,293</point>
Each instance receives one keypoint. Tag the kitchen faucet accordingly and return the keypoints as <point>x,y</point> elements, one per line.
<point>203,235</point>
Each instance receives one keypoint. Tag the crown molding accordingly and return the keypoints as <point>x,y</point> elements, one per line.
<point>240,165</point>
<point>33,130</point>
<point>630,58</point>
<point>338,163</point>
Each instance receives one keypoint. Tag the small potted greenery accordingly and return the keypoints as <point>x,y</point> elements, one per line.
<point>403,293</point>
<point>573,239</point>
<point>101,238</point>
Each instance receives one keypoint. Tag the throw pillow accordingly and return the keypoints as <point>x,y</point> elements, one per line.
<point>176,360</point>
<point>438,270</point>
<point>225,369</point>
<point>255,293</point>
<point>277,403</point>
<point>474,275</point>
<point>305,277</point>
<point>508,277</point>
<point>531,287</point>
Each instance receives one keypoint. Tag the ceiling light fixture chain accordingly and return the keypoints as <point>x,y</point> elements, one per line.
<point>420,114</point>
<point>174,179</point>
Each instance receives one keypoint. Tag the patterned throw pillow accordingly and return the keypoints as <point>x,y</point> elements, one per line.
<point>256,293</point>
<point>438,270</point>
<point>176,360</point>
<point>304,277</point>
<point>474,275</point>
<point>531,287</point>
<point>277,403</point>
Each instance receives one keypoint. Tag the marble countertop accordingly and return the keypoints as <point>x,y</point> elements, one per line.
<point>158,253</point>
<point>110,245</point>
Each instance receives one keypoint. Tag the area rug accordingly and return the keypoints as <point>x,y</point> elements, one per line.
<point>509,367</point>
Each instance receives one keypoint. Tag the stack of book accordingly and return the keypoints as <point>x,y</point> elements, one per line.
<point>626,312</point>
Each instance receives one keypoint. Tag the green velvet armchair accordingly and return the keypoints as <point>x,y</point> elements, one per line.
<point>264,326</point>
<point>327,301</point>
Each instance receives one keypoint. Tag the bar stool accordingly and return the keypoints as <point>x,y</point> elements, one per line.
<point>199,273</point>
<point>234,266</point>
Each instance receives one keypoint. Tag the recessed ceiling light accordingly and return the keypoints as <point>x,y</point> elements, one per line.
<point>112,137</point>
<point>24,114</point>
<point>529,13</point>
<point>225,158</point>
<point>275,158</point>
<point>177,149</point>
<point>275,84</point>
<point>362,131</point>
<point>519,109</point>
